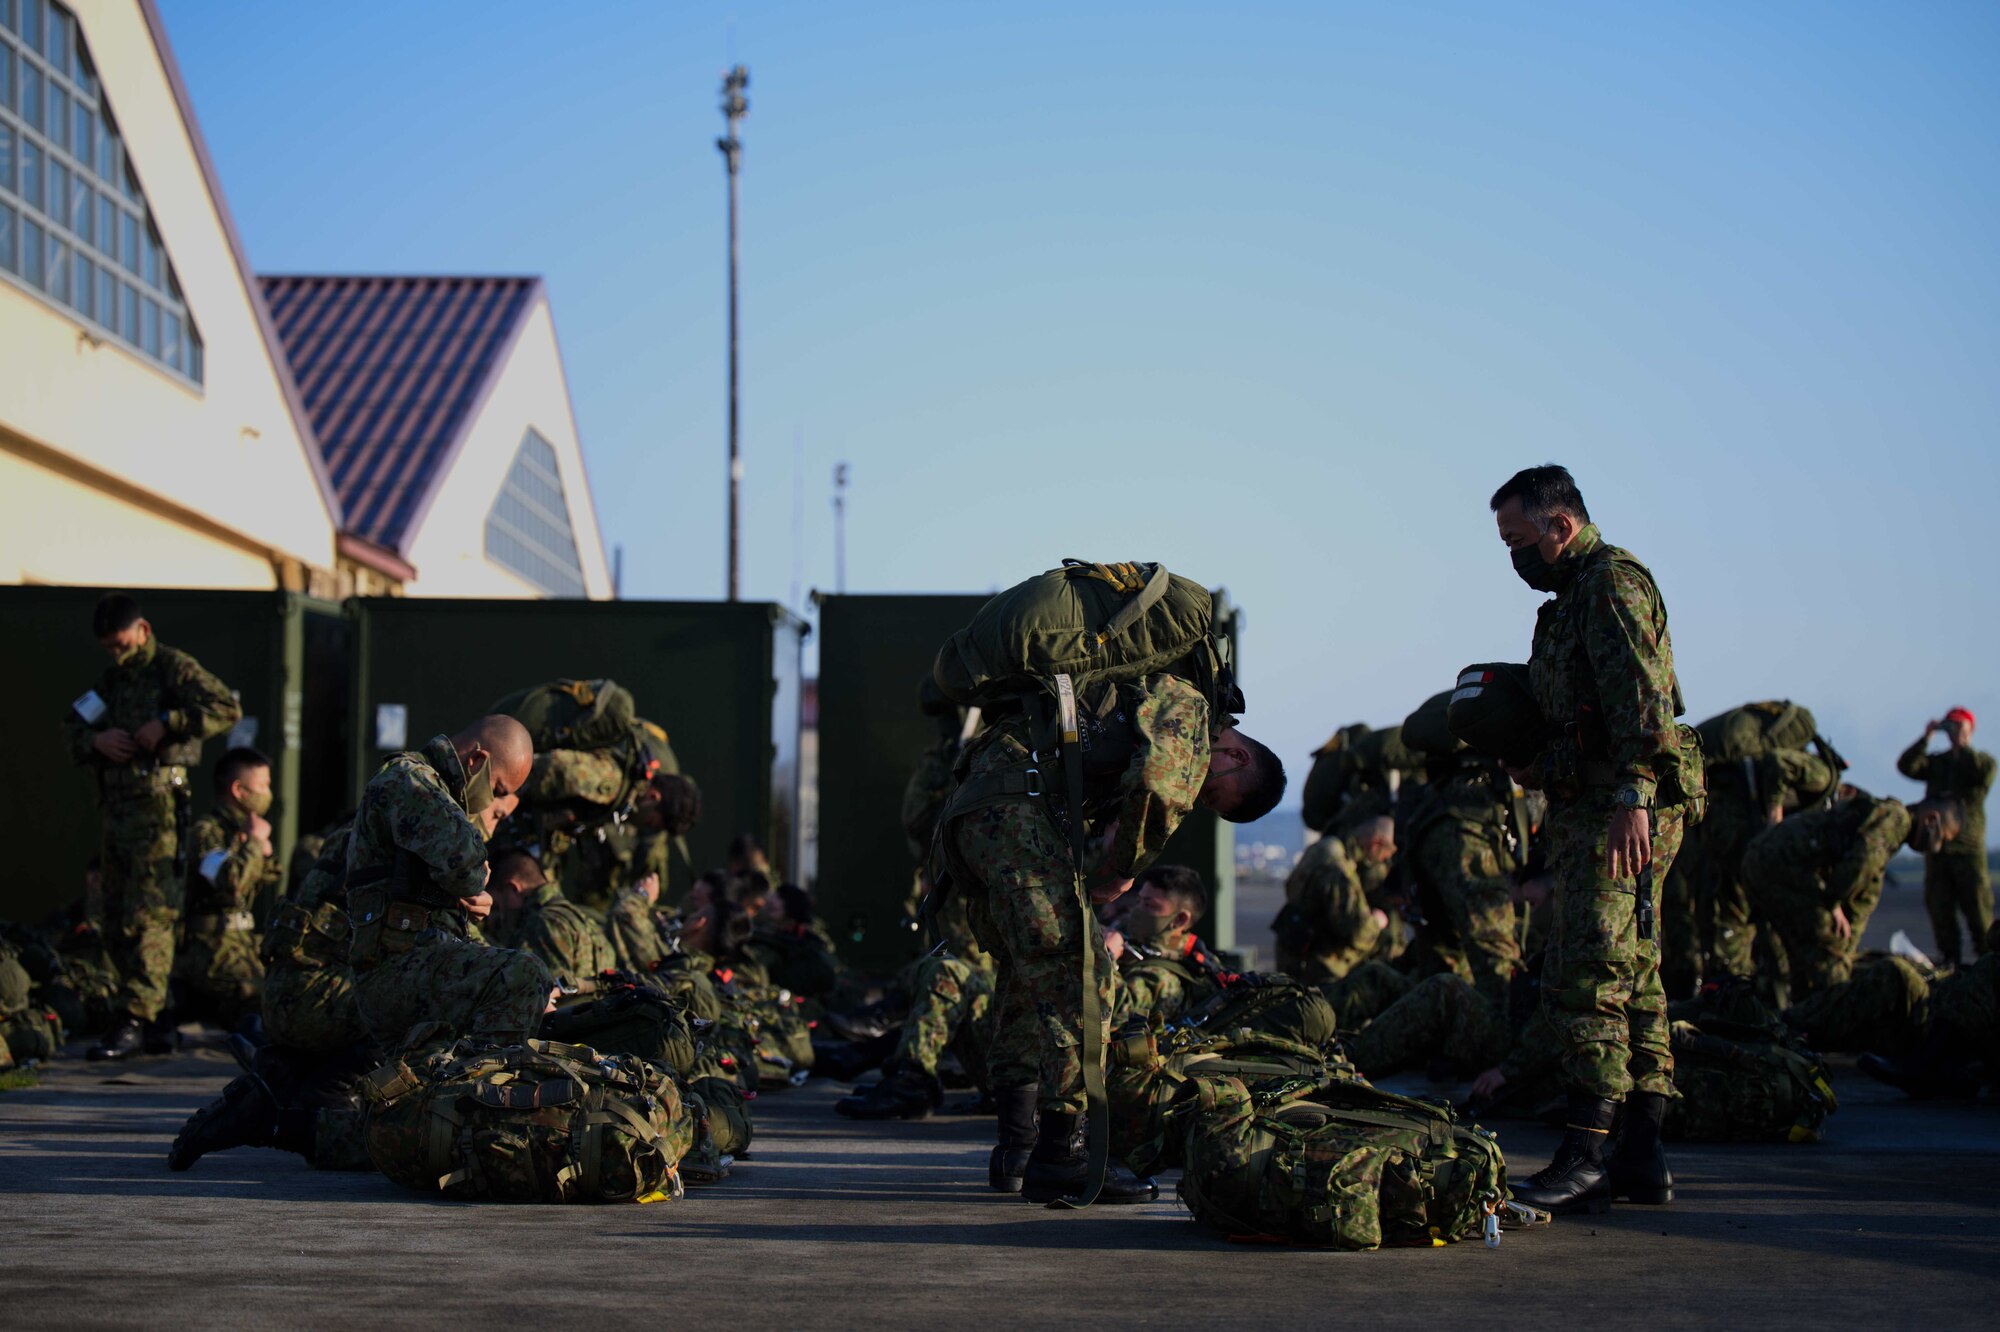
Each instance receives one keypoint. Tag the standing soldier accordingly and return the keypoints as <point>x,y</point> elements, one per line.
<point>141,729</point>
<point>1622,778</point>
<point>1955,877</point>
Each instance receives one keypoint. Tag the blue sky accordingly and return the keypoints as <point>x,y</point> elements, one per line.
<point>1275,293</point>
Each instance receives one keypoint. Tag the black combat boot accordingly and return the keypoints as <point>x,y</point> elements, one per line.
<point>1638,1164</point>
<point>163,1035</point>
<point>844,1061</point>
<point>1016,1108</point>
<point>125,1039</point>
<point>881,1018</point>
<point>1575,1181</point>
<point>245,1115</point>
<point>903,1093</point>
<point>1059,1167</point>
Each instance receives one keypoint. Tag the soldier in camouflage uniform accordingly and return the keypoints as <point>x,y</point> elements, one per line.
<point>217,972</point>
<point>1739,808</point>
<point>1011,858</point>
<point>1882,1006</point>
<point>1960,1045</point>
<point>140,730</point>
<point>29,1032</point>
<point>1164,970</point>
<point>1327,926</point>
<point>1620,777</point>
<point>1956,882</point>
<point>532,913</point>
<point>602,821</point>
<point>1817,877</point>
<point>415,858</point>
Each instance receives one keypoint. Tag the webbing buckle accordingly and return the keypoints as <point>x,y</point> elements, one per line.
<point>1033,777</point>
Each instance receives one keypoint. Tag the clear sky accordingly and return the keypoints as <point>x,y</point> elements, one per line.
<point>1275,293</point>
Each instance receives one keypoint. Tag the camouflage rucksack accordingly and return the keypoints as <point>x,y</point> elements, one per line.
<point>1348,1166</point>
<point>572,714</point>
<point>1742,1073</point>
<point>1756,729</point>
<point>1266,1005</point>
<point>1154,1067</point>
<point>535,1122</point>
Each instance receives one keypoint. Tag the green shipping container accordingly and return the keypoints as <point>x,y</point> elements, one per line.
<point>874,650</point>
<point>284,655</point>
<point>721,677</point>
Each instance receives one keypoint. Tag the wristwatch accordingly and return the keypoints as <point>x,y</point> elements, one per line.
<point>1630,798</point>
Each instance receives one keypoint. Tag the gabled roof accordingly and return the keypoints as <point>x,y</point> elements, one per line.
<point>392,371</point>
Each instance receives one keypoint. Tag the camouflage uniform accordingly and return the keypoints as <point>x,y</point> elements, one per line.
<point>563,935</point>
<point>1965,1012</point>
<point>217,972</point>
<point>1167,984</point>
<point>1366,992</point>
<point>1327,926</point>
<point>414,857</point>
<point>634,930</point>
<point>1956,882</point>
<point>1786,781</point>
<point>1442,1015</point>
<point>142,802</point>
<point>27,1029</point>
<point>1804,868</point>
<point>1461,860</point>
<point>951,998</point>
<point>1603,671</point>
<point>309,1001</point>
<point>1012,861</point>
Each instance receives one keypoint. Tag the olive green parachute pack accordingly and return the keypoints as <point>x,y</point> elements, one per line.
<point>538,1122</point>
<point>1493,712</point>
<point>1354,773</point>
<point>1344,1165</point>
<point>1742,1074</point>
<point>627,1019</point>
<point>1756,729</point>
<point>590,715</point>
<point>1268,1005</point>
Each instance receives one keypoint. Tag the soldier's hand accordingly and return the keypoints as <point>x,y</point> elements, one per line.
<point>1841,927</point>
<point>1628,843</point>
<point>148,737</point>
<point>115,744</point>
<point>1930,728</point>
<point>1775,817</point>
<point>1114,944</point>
<point>480,907</point>
<point>260,833</point>
<point>1109,892</point>
<point>650,886</point>
<point>1488,1084</point>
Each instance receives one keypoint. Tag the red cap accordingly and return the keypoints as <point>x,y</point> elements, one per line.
<point>1961,715</point>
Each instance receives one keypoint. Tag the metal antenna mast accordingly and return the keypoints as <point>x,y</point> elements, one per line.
<point>840,527</point>
<point>734,107</point>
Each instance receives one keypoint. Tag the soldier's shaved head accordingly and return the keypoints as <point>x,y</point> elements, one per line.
<point>1376,837</point>
<point>507,746</point>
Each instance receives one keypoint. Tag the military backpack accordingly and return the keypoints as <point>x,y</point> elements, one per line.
<point>1347,1166</point>
<point>1757,729</point>
<point>537,1122</point>
<point>1268,1006</point>
<point>629,1019</point>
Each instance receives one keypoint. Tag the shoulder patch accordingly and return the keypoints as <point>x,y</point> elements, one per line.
<point>212,863</point>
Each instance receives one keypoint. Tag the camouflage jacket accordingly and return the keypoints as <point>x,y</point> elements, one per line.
<point>415,805</point>
<point>163,683</point>
<point>925,794</point>
<point>1965,773</point>
<point>633,927</point>
<point>1325,897</point>
<point>226,871</point>
<point>1603,671</point>
<point>1847,846</point>
<point>1171,983</point>
<point>562,934</point>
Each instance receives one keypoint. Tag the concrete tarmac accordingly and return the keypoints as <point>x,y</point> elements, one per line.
<point>1891,1221</point>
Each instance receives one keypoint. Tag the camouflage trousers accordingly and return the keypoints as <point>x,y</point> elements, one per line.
<point>1956,886</point>
<point>1882,1007</point>
<point>1365,993</point>
<point>217,973</point>
<point>1479,910</point>
<point>1023,903</point>
<point>1442,1016</point>
<point>1793,899</point>
<point>1601,981</point>
<point>142,893</point>
<point>948,997</point>
<point>1726,833</point>
<point>312,1008</point>
<point>474,990</point>
<point>1965,1012</point>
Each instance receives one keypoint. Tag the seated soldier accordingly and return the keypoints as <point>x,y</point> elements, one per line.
<point>1882,1006</point>
<point>217,972</point>
<point>1817,877</point>
<point>791,946</point>
<point>532,913</point>
<point>1163,969</point>
<point>1960,1046</point>
<point>1328,926</point>
<point>670,806</point>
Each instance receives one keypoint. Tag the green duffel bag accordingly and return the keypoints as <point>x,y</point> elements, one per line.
<point>539,1122</point>
<point>573,714</point>
<point>1348,1167</point>
<point>1097,624</point>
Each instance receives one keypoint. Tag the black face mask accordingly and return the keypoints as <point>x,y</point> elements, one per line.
<point>1535,571</point>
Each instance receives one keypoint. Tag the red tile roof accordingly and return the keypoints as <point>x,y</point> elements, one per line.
<point>392,370</point>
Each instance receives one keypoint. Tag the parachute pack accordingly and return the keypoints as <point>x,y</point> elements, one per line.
<point>537,1122</point>
<point>1742,1073</point>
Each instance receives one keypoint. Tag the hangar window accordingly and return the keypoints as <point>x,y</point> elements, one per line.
<point>527,531</point>
<point>71,206</point>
